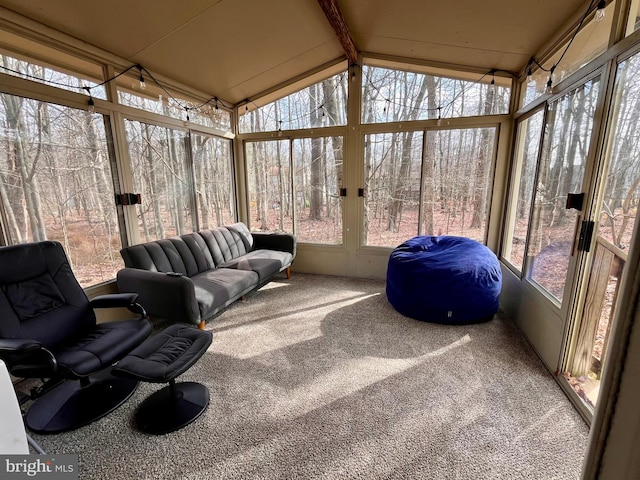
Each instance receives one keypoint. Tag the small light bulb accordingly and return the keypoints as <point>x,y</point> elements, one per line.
<point>92,106</point>
<point>529,76</point>
<point>549,89</point>
<point>600,13</point>
<point>143,84</point>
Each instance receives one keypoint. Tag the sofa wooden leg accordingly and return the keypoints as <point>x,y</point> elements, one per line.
<point>288,272</point>
<point>201,325</point>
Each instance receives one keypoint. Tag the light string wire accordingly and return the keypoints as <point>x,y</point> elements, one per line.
<point>552,69</point>
<point>142,70</point>
<point>219,102</point>
<point>439,108</point>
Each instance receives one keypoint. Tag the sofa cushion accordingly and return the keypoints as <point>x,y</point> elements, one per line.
<point>264,262</point>
<point>223,245</point>
<point>214,288</point>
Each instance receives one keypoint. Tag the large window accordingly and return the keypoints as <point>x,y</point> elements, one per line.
<point>214,180</point>
<point>436,182</point>
<point>161,173</point>
<point>312,167</point>
<point>393,163</point>
<point>318,177</point>
<point>56,183</point>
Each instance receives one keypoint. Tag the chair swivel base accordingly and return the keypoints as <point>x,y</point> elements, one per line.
<point>72,405</point>
<point>172,407</point>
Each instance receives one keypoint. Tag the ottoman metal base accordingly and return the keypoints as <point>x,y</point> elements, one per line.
<point>173,407</point>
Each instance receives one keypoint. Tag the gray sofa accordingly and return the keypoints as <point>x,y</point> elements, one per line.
<point>192,277</point>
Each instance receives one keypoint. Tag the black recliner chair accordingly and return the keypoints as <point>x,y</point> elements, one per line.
<point>48,330</point>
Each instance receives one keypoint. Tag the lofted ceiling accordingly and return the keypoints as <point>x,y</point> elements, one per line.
<point>236,49</point>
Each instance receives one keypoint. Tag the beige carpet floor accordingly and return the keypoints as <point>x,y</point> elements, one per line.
<point>319,377</point>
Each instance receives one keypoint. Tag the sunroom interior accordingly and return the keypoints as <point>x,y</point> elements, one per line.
<point>354,126</point>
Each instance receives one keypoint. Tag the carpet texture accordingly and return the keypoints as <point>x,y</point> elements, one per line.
<point>319,377</point>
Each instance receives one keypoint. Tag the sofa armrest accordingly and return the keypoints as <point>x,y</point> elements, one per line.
<point>283,242</point>
<point>163,295</point>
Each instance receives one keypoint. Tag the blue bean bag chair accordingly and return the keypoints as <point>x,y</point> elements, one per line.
<point>445,279</point>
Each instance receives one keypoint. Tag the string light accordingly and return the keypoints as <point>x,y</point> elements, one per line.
<point>600,13</point>
<point>143,84</point>
<point>549,89</point>
<point>186,122</point>
<point>353,72</point>
<point>280,129</point>
<point>92,105</point>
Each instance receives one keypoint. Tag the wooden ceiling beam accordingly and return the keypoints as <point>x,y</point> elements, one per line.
<point>333,13</point>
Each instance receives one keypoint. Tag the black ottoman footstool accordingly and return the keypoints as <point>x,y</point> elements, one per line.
<point>160,359</point>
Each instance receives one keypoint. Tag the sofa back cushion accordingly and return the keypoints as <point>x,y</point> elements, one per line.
<point>191,253</point>
<point>186,254</point>
<point>225,243</point>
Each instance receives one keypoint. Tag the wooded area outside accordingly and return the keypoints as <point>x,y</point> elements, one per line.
<point>525,161</point>
<point>618,215</point>
<point>454,180</point>
<point>319,105</point>
<point>399,96</point>
<point>57,179</point>
<point>316,180</point>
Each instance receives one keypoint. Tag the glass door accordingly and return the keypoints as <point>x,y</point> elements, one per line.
<point>616,215</point>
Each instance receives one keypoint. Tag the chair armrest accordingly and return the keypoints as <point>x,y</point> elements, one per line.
<point>165,296</point>
<point>114,300</point>
<point>283,242</point>
<point>27,358</point>
<point>12,345</point>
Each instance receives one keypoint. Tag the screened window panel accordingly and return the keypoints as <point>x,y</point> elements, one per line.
<point>214,180</point>
<point>458,169</point>
<point>561,171</point>
<point>56,184</point>
<point>393,162</point>
<point>320,105</point>
<point>65,79</point>
<point>524,170</point>
<point>161,175</point>
<point>154,99</point>
<point>396,95</point>
<point>318,178</point>
<point>622,190</point>
<point>270,197</point>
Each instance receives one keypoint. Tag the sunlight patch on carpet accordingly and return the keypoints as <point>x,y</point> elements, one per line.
<point>275,333</point>
<point>348,378</point>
